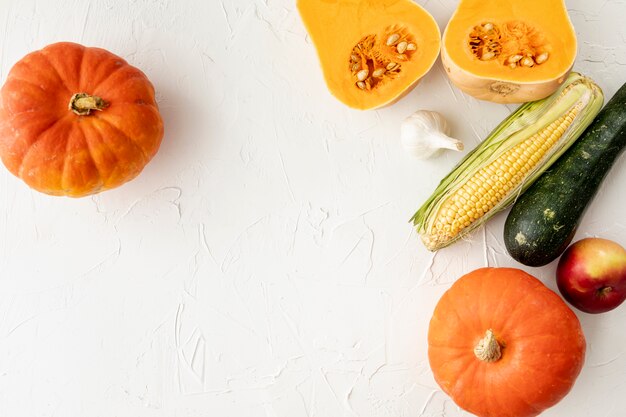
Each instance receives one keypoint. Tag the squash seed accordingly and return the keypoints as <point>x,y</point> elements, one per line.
<point>542,58</point>
<point>513,59</point>
<point>362,75</point>
<point>378,72</point>
<point>376,59</point>
<point>519,42</point>
<point>484,41</point>
<point>392,39</point>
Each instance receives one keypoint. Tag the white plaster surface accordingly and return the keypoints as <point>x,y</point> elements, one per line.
<point>263,263</point>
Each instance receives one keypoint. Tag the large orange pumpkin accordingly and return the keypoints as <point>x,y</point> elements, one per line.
<point>502,344</point>
<point>76,121</point>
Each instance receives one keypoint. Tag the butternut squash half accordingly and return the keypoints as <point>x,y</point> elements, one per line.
<point>371,52</point>
<point>509,51</point>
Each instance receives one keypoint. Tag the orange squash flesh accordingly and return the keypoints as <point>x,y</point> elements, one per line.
<point>356,35</point>
<point>526,29</point>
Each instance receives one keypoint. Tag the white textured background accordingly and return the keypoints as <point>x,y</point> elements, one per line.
<point>262,265</point>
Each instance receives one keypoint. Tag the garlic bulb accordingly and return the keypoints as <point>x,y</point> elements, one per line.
<point>424,133</point>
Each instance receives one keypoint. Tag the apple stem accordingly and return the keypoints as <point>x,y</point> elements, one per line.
<point>488,348</point>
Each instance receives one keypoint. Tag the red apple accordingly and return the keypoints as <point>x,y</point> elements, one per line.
<point>591,275</point>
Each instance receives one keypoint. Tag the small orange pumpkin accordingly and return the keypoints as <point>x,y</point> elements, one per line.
<point>502,344</point>
<point>75,121</point>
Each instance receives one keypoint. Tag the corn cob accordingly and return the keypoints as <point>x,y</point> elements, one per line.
<point>507,162</point>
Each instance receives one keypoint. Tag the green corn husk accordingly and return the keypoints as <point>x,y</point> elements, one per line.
<point>527,120</point>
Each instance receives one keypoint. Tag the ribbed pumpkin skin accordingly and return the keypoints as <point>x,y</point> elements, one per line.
<point>58,152</point>
<point>544,346</point>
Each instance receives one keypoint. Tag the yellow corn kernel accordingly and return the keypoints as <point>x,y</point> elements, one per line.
<point>492,183</point>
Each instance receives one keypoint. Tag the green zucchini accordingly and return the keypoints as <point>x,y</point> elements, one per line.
<point>543,221</point>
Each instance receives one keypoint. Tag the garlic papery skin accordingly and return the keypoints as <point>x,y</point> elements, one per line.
<point>425,133</point>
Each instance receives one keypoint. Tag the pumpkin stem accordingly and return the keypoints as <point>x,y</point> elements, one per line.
<point>82,104</point>
<point>488,348</point>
